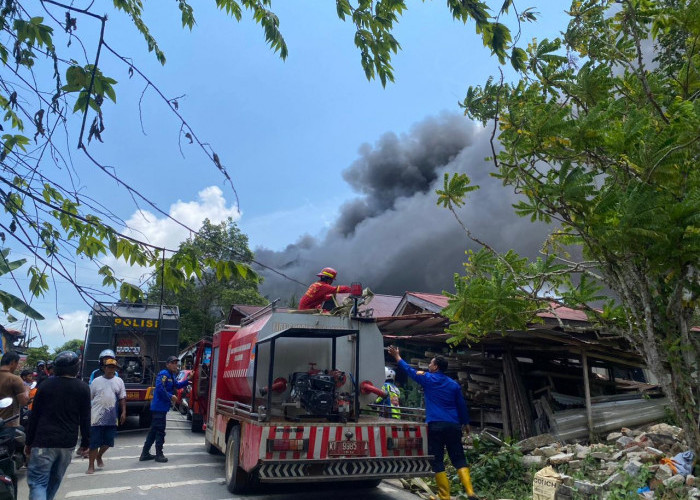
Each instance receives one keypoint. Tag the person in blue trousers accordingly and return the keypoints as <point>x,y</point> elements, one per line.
<point>163,397</point>
<point>445,413</point>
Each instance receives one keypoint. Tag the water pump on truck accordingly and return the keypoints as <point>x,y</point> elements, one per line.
<point>288,403</point>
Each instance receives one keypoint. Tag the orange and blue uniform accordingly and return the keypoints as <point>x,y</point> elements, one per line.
<point>318,293</point>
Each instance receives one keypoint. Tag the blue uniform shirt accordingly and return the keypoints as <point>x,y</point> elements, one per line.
<point>443,396</point>
<point>165,388</point>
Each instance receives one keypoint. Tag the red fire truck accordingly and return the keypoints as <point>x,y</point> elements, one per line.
<point>288,402</point>
<point>197,358</point>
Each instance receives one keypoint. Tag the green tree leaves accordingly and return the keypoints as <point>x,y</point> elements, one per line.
<point>454,190</point>
<point>607,152</point>
<point>10,301</point>
<point>212,274</point>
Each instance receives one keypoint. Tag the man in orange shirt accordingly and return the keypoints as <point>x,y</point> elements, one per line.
<point>322,291</point>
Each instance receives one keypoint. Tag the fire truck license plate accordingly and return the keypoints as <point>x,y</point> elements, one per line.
<point>345,448</point>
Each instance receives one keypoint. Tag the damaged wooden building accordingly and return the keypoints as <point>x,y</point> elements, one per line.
<point>561,376</point>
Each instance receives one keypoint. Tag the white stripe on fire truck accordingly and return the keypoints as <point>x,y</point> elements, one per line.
<point>372,441</point>
<point>358,433</point>
<point>382,440</point>
<point>285,435</point>
<point>394,436</point>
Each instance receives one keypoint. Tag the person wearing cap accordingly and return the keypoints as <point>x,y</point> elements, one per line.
<point>99,371</point>
<point>61,405</point>
<point>163,397</point>
<point>106,392</point>
<point>322,291</point>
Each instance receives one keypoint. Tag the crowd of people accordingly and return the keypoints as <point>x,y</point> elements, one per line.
<point>61,411</point>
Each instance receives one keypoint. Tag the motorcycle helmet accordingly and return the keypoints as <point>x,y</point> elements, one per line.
<point>40,363</point>
<point>328,272</point>
<point>107,353</point>
<point>389,374</point>
<point>66,363</point>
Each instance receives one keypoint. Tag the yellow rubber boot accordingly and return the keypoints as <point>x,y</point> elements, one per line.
<point>443,485</point>
<point>466,479</point>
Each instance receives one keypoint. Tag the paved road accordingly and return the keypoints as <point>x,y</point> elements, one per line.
<point>191,473</point>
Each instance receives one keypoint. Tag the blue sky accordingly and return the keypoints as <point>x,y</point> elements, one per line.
<point>285,130</point>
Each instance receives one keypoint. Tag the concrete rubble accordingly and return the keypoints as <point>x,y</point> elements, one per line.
<point>593,471</point>
<point>601,470</point>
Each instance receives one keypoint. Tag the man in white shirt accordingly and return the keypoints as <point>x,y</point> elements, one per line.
<point>106,393</point>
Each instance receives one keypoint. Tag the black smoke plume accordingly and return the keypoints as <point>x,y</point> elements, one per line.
<point>393,237</point>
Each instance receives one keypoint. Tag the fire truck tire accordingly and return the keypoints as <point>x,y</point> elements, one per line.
<point>197,422</point>
<point>211,449</point>
<point>237,480</point>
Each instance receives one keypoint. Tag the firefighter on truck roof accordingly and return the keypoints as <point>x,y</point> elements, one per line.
<point>322,291</point>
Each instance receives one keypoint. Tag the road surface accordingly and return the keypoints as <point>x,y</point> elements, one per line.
<point>191,473</point>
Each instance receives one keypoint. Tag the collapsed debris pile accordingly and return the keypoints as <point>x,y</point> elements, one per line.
<point>652,462</point>
<point>657,455</point>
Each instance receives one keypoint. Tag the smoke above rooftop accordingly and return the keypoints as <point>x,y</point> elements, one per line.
<point>393,237</point>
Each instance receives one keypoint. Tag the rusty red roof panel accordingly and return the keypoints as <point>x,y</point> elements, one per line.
<point>436,298</point>
<point>564,313</point>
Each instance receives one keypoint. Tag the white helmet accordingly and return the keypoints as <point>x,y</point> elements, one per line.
<point>107,353</point>
<point>389,374</point>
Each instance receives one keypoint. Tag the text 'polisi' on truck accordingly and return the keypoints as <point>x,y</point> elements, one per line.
<point>142,336</point>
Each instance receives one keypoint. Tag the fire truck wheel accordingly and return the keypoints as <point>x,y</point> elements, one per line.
<point>211,449</point>
<point>197,423</point>
<point>236,478</point>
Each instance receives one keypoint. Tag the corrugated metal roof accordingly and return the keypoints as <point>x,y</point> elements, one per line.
<point>426,323</point>
<point>437,299</point>
<point>564,313</point>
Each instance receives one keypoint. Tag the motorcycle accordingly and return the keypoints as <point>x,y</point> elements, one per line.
<point>182,402</point>
<point>11,446</point>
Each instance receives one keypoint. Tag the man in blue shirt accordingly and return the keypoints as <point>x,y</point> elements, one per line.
<point>163,397</point>
<point>445,413</point>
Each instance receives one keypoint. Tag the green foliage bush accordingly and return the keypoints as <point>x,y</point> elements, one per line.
<point>496,471</point>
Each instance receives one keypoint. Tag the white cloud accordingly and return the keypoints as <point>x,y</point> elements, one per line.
<point>162,231</point>
<point>57,331</point>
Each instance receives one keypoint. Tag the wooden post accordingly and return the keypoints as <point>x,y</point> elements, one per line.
<point>504,407</point>
<point>587,391</point>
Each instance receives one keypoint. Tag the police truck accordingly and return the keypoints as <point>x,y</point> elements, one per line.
<point>142,336</point>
